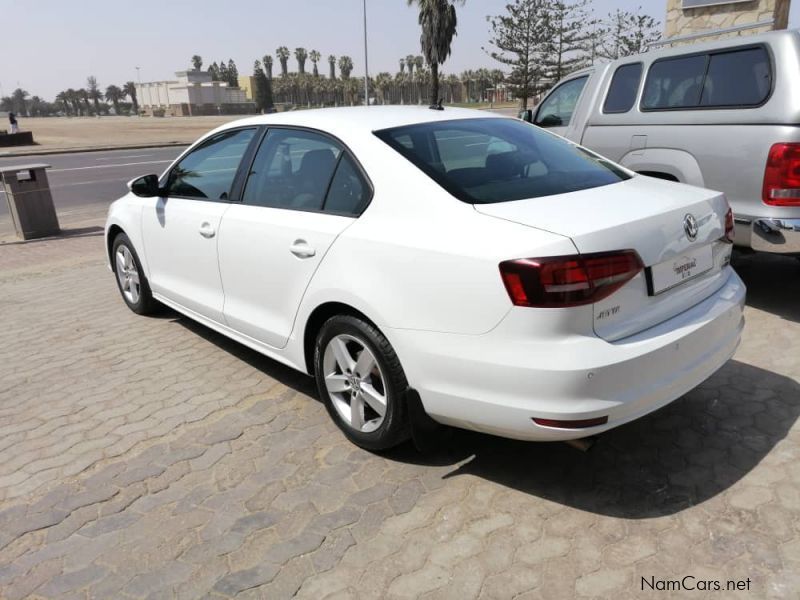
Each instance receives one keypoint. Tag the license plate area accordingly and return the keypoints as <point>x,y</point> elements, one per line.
<point>677,270</point>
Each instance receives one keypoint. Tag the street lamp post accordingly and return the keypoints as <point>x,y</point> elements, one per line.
<point>138,76</point>
<point>366,66</point>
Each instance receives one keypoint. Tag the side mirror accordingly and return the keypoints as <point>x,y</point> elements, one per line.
<point>551,121</point>
<point>526,115</point>
<point>145,187</point>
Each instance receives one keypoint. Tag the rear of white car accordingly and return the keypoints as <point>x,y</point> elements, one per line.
<point>644,309</point>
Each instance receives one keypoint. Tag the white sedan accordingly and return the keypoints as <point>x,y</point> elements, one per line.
<point>450,262</point>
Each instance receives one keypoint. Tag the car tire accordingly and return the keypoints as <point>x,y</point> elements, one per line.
<point>131,281</point>
<point>357,387</point>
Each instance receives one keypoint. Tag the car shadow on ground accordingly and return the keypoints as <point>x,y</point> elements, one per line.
<point>661,464</point>
<point>677,457</point>
<point>773,283</point>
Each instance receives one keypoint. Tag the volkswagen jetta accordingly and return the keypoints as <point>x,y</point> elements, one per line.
<point>511,281</point>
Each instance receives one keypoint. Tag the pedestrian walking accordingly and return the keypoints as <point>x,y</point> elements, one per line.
<point>12,119</point>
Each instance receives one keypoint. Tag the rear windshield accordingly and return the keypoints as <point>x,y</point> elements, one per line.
<point>484,161</point>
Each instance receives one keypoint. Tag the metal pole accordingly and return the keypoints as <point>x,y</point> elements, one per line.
<point>366,67</point>
<point>138,76</point>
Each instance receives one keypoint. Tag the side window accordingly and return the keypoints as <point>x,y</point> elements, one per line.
<point>674,83</point>
<point>207,172</point>
<point>292,169</point>
<point>348,193</point>
<point>557,108</point>
<point>741,78</point>
<point>622,91</point>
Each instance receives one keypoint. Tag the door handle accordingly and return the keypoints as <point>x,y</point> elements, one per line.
<point>206,230</point>
<point>301,249</point>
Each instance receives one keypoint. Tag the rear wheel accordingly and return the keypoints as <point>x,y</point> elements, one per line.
<point>362,383</point>
<point>132,283</point>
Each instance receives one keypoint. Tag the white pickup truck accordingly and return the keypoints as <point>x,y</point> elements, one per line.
<point>723,115</point>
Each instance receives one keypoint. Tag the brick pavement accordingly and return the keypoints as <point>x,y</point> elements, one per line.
<point>152,458</point>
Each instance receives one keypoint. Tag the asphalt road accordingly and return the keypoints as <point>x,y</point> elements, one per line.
<point>93,178</point>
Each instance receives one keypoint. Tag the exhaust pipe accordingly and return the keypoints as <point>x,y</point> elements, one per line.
<point>582,444</point>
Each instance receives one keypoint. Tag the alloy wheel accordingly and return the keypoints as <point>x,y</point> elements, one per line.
<point>128,275</point>
<point>355,383</point>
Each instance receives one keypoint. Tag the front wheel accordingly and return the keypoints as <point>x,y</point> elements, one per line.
<point>132,283</point>
<point>362,383</point>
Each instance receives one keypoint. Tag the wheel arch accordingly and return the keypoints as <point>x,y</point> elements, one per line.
<point>665,163</point>
<point>317,318</point>
<point>113,231</point>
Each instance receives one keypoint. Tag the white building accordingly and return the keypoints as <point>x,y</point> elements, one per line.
<point>193,93</point>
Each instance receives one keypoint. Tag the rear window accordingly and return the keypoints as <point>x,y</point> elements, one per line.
<point>737,78</point>
<point>622,91</point>
<point>484,161</point>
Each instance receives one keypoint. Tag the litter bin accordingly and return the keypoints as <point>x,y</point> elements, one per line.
<point>29,200</point>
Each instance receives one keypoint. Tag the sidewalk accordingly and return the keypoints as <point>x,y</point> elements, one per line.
<point>150,457</point>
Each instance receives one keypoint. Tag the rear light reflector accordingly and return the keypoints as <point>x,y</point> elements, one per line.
<point>730,229</point>
<point>782,176</point>
<point>580,424</point>
<point>562,281</point>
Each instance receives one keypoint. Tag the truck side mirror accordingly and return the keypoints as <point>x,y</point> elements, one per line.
<point>526,115</point>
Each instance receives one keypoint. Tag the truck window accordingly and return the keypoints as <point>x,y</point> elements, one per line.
<point>557,108</point>
<point>622,91</point>
<point>741,78</point>
<point>674,83</point>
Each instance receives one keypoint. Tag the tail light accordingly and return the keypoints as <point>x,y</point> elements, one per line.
<point>729,227</point>
<point>782,176</point>
<point>562,281</point>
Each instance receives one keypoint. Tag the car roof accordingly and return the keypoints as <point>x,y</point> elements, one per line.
<point>362,119</point>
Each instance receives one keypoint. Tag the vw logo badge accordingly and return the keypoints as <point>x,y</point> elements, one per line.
<point>690,227</point>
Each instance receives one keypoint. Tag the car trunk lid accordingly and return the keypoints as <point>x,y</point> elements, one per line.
<point>651,217</point>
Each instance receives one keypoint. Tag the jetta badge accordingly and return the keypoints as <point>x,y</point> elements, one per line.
<point>690,227</point>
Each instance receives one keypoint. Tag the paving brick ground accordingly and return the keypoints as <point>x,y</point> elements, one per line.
<point>152,458</point>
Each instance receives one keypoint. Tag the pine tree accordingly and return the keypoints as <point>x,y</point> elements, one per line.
<point>567,24</point>
<point>223,72</point>
<point>628,33</point>
<point>263,90</point>
<point>521,39</point>
<point>233,73</point>
<point>213,70</point>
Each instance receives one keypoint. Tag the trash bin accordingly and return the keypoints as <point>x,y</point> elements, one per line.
<point>29,200</point>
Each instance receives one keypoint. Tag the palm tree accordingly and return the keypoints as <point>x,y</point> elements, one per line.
<point>402,65</point>
<point>301,55</point>
<point>130,90</point>
<point>383,82</point>
<point>315,56</point>
<point>268,66</point>
<point>410,64</point>
<point>18,98</point>
<point>94,93</point>
<point>437,19</point>
<point>283,55</point>
<point>64,101</point>
<point>114,94</point>
<point>345,66</point>
<point>84,96</point>
<point>332,65</point>
<point>497,77</point>
<point>72,98</point>
<point>197,62</point>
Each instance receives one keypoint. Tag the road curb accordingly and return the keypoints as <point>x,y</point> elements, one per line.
<point>93,149</point>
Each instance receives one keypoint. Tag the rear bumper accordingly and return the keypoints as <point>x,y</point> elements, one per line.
<point>498,382</point>
<point>781,236</point>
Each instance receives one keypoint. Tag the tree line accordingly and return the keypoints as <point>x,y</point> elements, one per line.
<point>538,42</point>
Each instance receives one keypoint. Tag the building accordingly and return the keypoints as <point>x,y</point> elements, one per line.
<point>690,21</point>
<point>247,83</point>
<point>192,93</point>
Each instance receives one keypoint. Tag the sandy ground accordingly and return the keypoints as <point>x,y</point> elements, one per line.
<point>61,133</point>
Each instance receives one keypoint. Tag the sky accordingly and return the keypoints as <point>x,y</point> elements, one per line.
<point>49,45</point>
